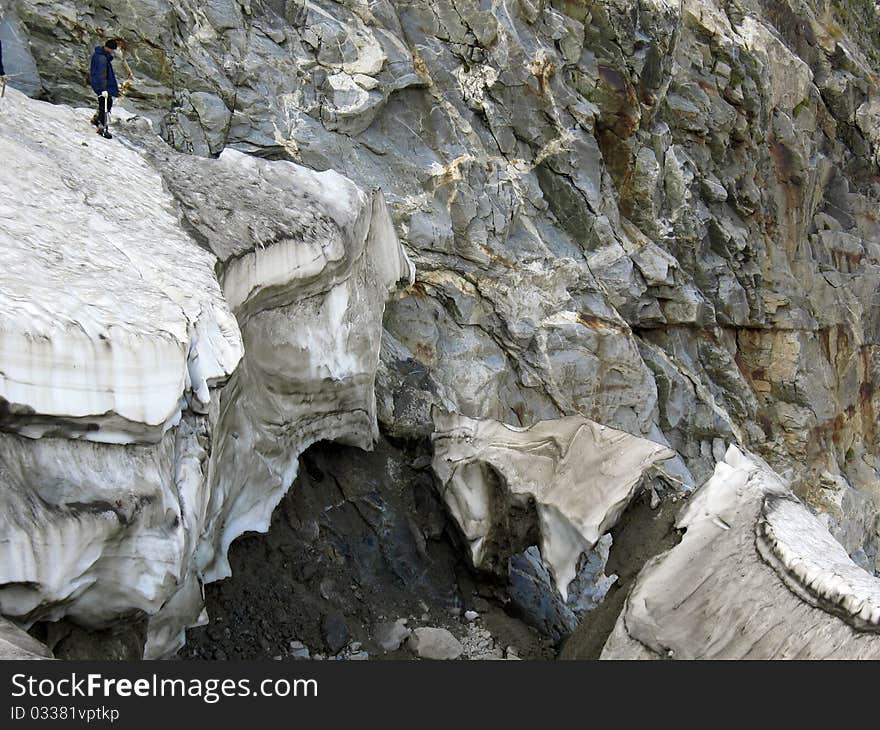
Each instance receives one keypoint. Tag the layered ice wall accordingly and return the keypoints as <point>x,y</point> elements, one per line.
<point>306,260</point>
<point>109,313</point>
<point>755,576</point>
<point>167,350</point>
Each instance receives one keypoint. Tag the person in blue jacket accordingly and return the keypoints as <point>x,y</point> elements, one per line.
<point>104,84</point>
<point>2,72</point>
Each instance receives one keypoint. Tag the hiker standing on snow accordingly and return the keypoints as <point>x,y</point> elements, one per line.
<point>104,84</point>
<point>2,73</point>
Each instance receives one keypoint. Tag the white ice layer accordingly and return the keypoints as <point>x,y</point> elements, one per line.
<point>108,312</point>
<point>115,330</point>
<point>580,475</point>
<point>755,576</point>
<point>815,565</point>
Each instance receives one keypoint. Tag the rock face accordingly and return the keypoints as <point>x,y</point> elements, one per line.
<point>756,576</point>
<point>157,393</point>
<point>533,593</point>
<point>16,644</point>
<point>657,215</point>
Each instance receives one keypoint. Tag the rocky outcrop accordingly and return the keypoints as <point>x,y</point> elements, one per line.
<point>755,576</point>
<point>156,392</point>
<point>16,644</point>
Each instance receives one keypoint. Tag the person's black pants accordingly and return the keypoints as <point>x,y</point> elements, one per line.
<point>102,120</point>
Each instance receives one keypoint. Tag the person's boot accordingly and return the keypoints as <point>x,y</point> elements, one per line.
<point>104,133</point>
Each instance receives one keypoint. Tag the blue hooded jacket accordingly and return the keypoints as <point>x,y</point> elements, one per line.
<point>102,76</point>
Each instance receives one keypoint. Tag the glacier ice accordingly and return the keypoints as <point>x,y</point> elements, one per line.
<point>577,474</point>
<point>174,332</point>
<point>755,576</point>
